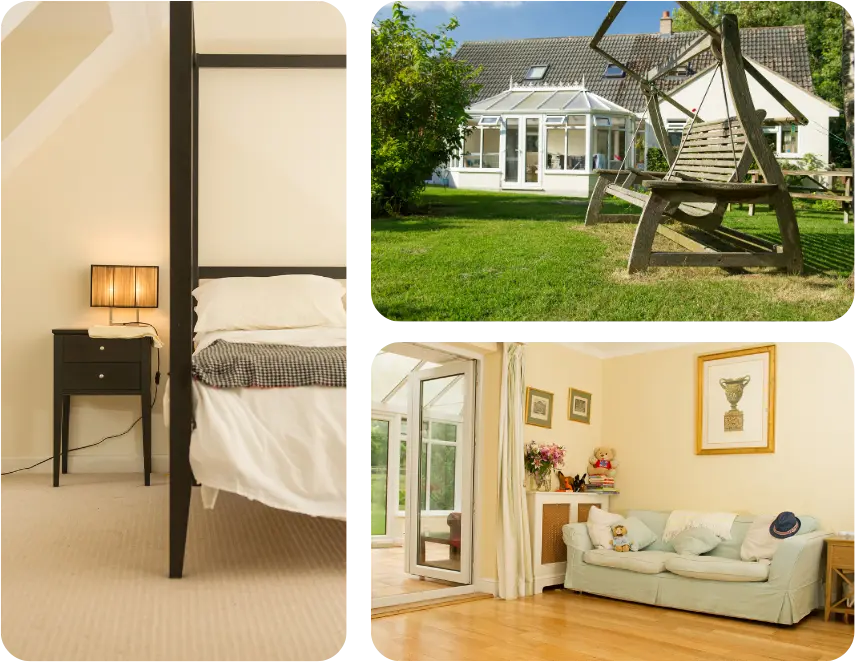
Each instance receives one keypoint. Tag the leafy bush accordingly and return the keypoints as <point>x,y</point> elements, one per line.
<point>656,160</point>
<point>419,96</point>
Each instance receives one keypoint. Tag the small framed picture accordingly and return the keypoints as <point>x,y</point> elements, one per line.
<point>579,406</point>
<point>538,407</point>
<point>736,402</point>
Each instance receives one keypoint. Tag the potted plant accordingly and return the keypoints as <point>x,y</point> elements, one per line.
<point>541,461</point>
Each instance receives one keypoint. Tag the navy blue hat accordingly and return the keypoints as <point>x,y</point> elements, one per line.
<point>785,525</point>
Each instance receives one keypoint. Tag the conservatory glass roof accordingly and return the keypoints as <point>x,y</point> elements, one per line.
<point>389,373</point>
<point>553,100</point>
<point>388,377</point>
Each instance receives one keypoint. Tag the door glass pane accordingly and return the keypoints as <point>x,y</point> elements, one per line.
<point>402,475</point>
<point>532,149</point>
<point>439,515</point>
<point>442,466</point>
<point>512,142</point>
<point>379,464</point>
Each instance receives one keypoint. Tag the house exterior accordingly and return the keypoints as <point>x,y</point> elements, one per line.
<point>562,110</point>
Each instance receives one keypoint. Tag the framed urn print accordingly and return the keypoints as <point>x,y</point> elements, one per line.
<point>736,402</point>
<point>579,406</point>
<point>538,407</point>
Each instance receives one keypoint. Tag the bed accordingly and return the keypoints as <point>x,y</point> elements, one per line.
<point>252,441</point>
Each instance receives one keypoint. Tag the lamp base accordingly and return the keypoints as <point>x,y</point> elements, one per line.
<point>135,323</point>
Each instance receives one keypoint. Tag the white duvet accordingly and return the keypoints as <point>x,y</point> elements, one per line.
<point>284,447</point>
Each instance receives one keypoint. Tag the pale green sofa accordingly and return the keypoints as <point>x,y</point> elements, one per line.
<point>791,591</point>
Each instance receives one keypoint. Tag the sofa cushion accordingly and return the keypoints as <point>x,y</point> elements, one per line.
<point>600,525</point>
<point>648,563</point>
<point>714,568</point>
<point>694,541</point>
<point>655,521</point>
<point>638,532</point>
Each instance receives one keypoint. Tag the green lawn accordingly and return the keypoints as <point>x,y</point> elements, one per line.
<point>378,504</point>
<point>506,256</point>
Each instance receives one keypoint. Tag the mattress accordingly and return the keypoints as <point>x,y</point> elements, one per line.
<point>284,447</point>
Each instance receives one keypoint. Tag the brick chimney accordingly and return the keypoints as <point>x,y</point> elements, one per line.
<point>665,23</point>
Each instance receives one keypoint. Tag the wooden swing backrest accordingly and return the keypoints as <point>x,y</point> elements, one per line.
<point>709,155</point>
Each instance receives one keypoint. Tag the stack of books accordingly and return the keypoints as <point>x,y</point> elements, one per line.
<point>601,484</point>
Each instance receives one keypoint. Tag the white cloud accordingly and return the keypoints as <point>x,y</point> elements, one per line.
<point>455,5</point>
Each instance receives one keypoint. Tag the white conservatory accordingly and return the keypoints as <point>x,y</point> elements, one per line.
<point>541,138</point>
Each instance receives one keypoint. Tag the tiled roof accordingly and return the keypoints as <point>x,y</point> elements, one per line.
<point>570,59</point>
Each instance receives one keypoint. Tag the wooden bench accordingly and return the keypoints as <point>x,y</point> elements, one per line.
<point>706,176</point>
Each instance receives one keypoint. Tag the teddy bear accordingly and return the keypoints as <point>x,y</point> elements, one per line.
<point>602,462</point>
<point>620,539</point>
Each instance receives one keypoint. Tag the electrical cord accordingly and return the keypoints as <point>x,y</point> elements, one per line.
<point>112,436</point>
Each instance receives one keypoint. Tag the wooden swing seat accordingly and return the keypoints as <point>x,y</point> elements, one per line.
<point>706,174</point>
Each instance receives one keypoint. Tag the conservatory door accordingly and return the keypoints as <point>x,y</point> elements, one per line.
<point>522,162</point>
<point>440,473</point>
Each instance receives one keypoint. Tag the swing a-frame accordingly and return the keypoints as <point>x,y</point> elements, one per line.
<point>707,171</point>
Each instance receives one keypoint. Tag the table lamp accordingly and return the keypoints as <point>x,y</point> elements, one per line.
<point>119,286</point>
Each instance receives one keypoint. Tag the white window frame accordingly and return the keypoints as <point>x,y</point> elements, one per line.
<point>567,126</point>
<point>458,162</point>
<point>529,76</point>
<point>778,131</point>
<point>429,442</point>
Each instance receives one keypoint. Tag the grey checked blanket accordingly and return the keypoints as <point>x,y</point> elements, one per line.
<point>224,364</point>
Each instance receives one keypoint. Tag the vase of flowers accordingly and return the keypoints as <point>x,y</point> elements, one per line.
<point>541,462</point>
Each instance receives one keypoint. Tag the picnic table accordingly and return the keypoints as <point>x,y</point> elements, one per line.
<point>823,192</point>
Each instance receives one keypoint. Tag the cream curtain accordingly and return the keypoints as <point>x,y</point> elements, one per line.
<point>514,544</point>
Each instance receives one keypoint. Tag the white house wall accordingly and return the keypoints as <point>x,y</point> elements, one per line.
<point>813,138</point>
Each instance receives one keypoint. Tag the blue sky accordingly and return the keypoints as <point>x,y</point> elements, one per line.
<point>506,19</point>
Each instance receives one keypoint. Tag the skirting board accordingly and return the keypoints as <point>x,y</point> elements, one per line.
<point>92,464</point>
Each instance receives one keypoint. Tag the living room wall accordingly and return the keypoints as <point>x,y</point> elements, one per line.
<point>650,419</point>
<point>555,368</point>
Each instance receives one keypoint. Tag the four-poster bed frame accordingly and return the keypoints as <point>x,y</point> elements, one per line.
<point>185,270</point>
<point>706,172</point>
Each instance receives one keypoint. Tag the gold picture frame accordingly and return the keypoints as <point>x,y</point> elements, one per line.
<point>544,421</point>
<point>576,410</point>
<point>721,427</point>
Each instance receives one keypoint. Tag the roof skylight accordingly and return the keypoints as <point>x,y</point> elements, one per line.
<point>613,71</point>
<point>537,72</point>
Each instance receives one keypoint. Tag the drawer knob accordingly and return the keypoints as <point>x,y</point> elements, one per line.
<point>101,348</point>
<point>100,376</point>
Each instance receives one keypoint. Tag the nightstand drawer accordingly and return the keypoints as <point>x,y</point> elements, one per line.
<point>101,376</point>
<point>83,349</point>
<point>841,556</point>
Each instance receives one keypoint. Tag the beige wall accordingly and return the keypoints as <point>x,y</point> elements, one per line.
<point>556,369</point>
<point>651,420</point>
<point>644,406</point>
<point>96,191</point>
<point>52,51</point>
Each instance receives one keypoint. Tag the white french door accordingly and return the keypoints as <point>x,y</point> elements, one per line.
<point>440,446</point>
<point>522,163</point>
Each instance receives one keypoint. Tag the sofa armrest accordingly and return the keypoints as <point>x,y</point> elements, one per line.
<point>797,560</point>
<point>576,537</point>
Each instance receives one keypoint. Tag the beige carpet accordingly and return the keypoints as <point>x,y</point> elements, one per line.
<point>84,576</point>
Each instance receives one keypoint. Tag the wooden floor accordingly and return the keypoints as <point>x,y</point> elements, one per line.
<point>388,576</point>
<point>559,625</point>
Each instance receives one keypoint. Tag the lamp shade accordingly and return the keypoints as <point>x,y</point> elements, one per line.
<point>117,286</point>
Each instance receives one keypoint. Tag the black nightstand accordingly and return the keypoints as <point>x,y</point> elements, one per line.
<point>98,366</point>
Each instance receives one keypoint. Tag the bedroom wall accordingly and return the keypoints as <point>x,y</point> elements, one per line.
<point>651,420</point>
<point>96,191</point>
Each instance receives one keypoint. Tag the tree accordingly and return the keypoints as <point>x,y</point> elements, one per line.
<point>822,21</point>
<point>419,96</point>
<point>848,69</point>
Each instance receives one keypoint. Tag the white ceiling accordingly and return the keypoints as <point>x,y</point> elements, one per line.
<point>608,350</point>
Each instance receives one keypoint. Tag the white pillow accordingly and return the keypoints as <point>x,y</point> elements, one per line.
<point>759,544</point>
<point>275,302</point>
<point>600,527</point>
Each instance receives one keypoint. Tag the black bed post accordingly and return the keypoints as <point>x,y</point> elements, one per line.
<point>182,262</point>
